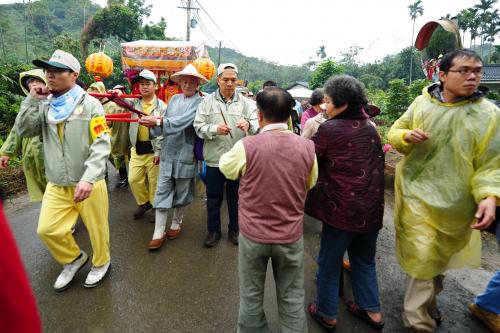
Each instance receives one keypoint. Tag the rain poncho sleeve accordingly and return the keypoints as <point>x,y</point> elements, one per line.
<point>486,179</point>
<point>120,141</point>
<point>29,120</point>
<point>440,181</point>
<point>399,130</point>
<point>12,145</point>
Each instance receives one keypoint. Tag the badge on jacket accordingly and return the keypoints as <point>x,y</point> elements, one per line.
<point>98,127</point>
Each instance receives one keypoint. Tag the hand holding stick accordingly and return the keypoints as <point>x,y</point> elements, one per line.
<point>225,122</point>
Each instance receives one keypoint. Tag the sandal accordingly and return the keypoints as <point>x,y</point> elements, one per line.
<point>312,309</point>
<point>360,313</point>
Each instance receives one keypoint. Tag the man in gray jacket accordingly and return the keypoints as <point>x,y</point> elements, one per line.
<point>221,120</point>
<point>76,145</point>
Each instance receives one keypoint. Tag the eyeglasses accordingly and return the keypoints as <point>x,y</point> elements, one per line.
<point>467,71</point>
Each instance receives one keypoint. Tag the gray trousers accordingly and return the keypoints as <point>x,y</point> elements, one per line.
<point>288,268</point>
<point>173,192</point>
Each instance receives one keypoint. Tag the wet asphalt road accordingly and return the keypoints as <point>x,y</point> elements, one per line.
<point>185,287</point>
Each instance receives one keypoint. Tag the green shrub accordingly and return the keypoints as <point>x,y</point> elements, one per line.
<point>397,100</point>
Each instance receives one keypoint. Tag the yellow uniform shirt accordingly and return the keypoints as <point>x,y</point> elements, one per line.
<point>143,133</point>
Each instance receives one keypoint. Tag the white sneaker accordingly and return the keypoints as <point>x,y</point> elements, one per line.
<point>69,271</point>
<point>96,275</point>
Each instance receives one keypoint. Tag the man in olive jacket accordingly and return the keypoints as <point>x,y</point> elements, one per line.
<point>221,120</point>
<point>76,145</point>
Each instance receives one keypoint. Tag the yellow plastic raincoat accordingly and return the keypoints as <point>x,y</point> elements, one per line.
<point>120,142</point>
<point>440,181</point>
<point>30,149</point>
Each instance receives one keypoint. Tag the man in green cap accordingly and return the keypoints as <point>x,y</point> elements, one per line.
<point>76,145</point>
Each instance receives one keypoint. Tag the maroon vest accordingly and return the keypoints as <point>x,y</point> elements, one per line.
<point>273,189</point>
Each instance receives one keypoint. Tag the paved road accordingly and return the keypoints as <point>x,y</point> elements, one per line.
<point>187,288</point>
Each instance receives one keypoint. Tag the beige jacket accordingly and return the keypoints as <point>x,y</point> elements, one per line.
<point>208,117</point>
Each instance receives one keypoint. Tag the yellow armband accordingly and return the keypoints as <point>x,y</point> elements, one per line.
<point>98,127</point>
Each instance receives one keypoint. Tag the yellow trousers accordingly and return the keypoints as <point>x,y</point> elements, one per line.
<point>140,167</point>
<point>59,213</point>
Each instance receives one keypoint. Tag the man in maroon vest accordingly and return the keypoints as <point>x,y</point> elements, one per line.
<point>276,169</point>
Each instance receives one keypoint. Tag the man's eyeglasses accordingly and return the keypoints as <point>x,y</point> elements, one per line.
<point>467,71</point>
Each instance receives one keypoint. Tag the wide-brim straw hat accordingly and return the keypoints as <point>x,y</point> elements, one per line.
<point>189,70</point>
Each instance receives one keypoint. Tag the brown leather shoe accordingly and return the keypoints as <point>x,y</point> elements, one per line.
<point>155,244</point>
<point>212,239</point>
<point>173,233</point>
<point>490,319</point>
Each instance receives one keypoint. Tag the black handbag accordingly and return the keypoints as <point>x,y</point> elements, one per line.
<point>143,147</point>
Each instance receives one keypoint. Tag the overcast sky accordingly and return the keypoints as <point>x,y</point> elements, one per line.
<point>291,31</point>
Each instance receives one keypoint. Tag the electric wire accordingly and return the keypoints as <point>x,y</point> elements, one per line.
<point>218,27</point>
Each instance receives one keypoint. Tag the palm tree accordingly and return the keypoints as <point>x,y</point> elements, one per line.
<point>482,9</point>
<point>474,25</point>
<point>492,29</point>
<point>465,18</point>
<point>416,9</point>
<point>321,52</point>
<point>484,5</point>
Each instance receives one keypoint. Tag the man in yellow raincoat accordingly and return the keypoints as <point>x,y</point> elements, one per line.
<point>30,149</point>
<point>448,184</point>
<point>120,142</point>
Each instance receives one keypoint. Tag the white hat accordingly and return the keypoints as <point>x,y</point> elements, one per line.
<point>119,87</point>
<point>60,59</point>
<point>224,67</point>
<point>189,70</point>
<point>145,74</point>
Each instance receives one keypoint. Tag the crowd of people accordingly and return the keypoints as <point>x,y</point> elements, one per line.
<point>447,186</point>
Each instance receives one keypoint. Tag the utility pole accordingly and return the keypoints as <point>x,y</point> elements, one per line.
<point>2,31</point>
<point>218,59</point>
<point>188,23</point>
<point>25,32</point>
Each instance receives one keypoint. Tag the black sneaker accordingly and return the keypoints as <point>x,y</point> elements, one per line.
<point>212,239</point>
<point>232,236</point>
<point>141,210</point>
<point>122,184</point>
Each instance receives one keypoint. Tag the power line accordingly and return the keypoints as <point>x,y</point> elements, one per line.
<point>205,30</point>
<point>213,21</point>
<point>210,39</point>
